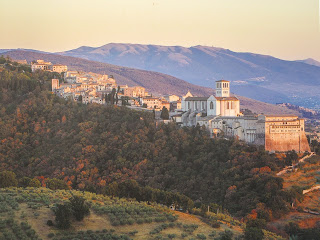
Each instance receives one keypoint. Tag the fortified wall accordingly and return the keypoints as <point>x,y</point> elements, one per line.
<point>283,133</point>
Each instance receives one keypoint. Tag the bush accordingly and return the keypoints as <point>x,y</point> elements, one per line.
<point>55,184</point>
<point>24,182</point>
<point>201,236</point>
<point>50,235</point>
<point>34,183</point>
<point>63,213</point>
<point>184,235</point>
<point>171,236</point>
<point>79,207</point>
<point>50,223</point>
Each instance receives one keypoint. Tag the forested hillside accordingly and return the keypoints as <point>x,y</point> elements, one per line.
<point>91,146</point>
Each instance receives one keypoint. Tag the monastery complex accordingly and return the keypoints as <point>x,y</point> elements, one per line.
<point>221,115</point>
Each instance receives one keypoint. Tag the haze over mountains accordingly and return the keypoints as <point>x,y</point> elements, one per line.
<point>154,82</point>
<point>310,61</point>
<point>260,77</point>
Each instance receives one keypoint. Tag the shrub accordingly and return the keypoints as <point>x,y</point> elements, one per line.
<point>79,207</point>
<point>34,183</point>
<point>24,182</point>
<point>115,223</point>
<point>171,236</point>
<point>63,213</point>
<point>50,235</point>
<point>133,233</point>
<point>184,235</point>
<point>201,236</point>
<point>55,184</point>
<point>49,223</point>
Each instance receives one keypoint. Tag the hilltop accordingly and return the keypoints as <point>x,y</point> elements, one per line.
<point>154,82</point>
<point>261,77</point>
<point>310,61</point>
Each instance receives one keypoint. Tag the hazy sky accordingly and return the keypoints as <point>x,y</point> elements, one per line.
<point>289,29</point>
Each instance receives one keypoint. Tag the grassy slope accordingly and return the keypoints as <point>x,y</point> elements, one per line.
<point>305,177</point>
<point>165,84</point>
<point>32,209</point>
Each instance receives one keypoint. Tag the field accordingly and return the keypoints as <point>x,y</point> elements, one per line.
<point>306,176</point>
<point>24,214</point>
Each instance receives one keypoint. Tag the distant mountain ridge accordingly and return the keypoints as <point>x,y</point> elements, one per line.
<point>154,82</point>
<point>257,76</point>
<point>310,61</point>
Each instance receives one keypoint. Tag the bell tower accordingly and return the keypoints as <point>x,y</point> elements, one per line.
<point>223,88</point>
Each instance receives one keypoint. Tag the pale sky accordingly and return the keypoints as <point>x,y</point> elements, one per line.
<point>288,29</point>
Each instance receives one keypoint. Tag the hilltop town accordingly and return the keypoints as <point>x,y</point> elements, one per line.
<point>220,114</point>
<point>92,145</point>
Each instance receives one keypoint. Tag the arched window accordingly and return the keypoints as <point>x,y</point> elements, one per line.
<point>211,105</point>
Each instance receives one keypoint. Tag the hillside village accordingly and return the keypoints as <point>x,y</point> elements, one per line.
<point>220,114</point>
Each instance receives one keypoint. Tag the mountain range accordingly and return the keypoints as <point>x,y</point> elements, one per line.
<point>154,82</point>
<point>310,61</point>
<point>256,76</point>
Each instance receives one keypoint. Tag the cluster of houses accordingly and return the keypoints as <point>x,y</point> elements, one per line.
<point>219,113</point>
<point>48,66</point>
<point>103,89</point>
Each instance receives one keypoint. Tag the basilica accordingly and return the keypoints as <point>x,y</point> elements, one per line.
<point>221,115</point>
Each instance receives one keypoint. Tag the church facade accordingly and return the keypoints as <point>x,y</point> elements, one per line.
<point>221,115</point>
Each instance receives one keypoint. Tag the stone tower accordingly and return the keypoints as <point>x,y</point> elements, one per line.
<point>223,88</point>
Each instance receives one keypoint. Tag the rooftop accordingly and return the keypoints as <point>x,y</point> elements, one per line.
<point>196,99</point>
<point>281,115</point>
<point>227,98</point>
<point>222,81</point>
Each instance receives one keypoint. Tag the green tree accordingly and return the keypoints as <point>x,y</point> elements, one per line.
<point>8,179</point>
<point>164,113</point>
<point>55,184</point>
<point>34,183</point>
<point>112,189</point>
<point>226,235</point>
<point>291,157</point>
<point>253,230</point>
<point>80,208</point>
<point>63,213</point>
<point>24,182</point>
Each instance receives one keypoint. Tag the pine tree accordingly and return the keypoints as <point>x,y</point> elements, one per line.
<point>164,113</point>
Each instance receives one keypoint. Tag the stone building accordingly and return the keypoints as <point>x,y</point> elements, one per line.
<point>221,104</point>
<point>221,115</point>
<point>48,66</point>
<point>55,84</point>
<point>135,91</point>
<point>40,65</point>
<point>58,68</point>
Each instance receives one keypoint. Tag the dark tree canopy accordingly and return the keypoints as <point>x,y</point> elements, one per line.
<point>80,208</point>
<point>63,214</point>
<point>164,113</point>
<point>8,179</point>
